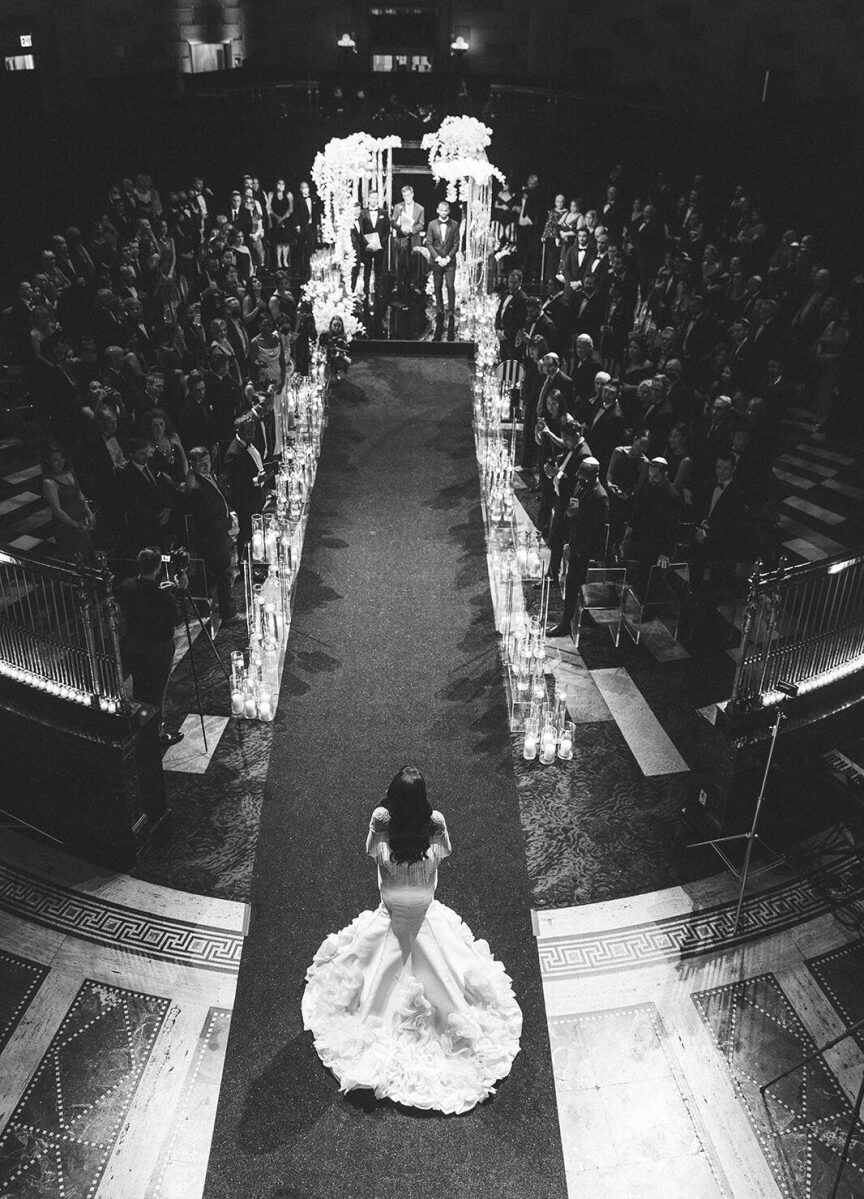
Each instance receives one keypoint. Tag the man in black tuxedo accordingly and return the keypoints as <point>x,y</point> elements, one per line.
<point>601,264</point>
<point>575,264</point>
<point>719,534</point>
<point>586,364</point>
<point>611,214</point>
<point>563,472</point>
<point>244,476</point>
<point>375,229</point>
<point>698,333</point>
<point>510,316</point>
<point>588,309</point>
<point>408,225</point>
<point>529,228</point>
<point>194,421</point>
<point>556,380</point>
<point>212,522</point>
<point>605,428</point>
<point>238,338</point>
<point>442,242</point>
<point>537,324</point>
<point>652,523</point>
<point>587,518</point>
<point>224,401</point>
<point>146,498</point>
<point>306,225</point>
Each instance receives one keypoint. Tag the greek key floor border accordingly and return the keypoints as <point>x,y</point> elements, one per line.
<point>102,922</point>
<point>709,930</point>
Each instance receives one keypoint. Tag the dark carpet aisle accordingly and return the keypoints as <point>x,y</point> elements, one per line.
<point>392,659</point>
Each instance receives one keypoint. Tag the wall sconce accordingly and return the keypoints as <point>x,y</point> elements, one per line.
<point>459,47</point>
<point>347,44</point>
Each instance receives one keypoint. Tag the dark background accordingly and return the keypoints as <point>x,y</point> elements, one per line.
<point>679,85</point>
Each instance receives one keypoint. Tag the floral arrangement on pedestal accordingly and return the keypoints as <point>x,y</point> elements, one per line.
<point>344,172</point>
<point>330,295</point>
<point>457,156</point>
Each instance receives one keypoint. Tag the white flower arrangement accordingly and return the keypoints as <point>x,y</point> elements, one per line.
<point>329,297</point>
<point>457,151</point>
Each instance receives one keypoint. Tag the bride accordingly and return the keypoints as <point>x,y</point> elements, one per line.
<point>404,1000</point>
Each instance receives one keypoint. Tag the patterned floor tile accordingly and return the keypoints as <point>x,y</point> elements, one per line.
<point>801,1121</point>
<point>20,979</point>
<point>840,974</point>
<point>61,1134</point>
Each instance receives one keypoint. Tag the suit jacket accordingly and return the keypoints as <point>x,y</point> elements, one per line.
<point>211,519</point>
<point>418,224</point>
<point>601,268</point>
<point>558,382</point>
<point>442,241</point>
<point>587,522</point>
<point>510,316</point>
<point>605,429</point>
<point>238,338</point>
<point>241,478</point>
<point>584,370</point>
<point>725,524</point>
<point>571,268</point>
<point>654,518</point>
<point>358,242</point>
<point>142,501</point>
<point>588,313</point>
<point>225,400</point>
<point>381,226</point>
<point>567,465</point>
<point>302,218</point>
<point>545,327</point>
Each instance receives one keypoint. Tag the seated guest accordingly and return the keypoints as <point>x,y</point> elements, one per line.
<point>72,518</point>
<point>719,534</point>
<point>651,531</point>
<point>244,477</point>
<point>212,523</point>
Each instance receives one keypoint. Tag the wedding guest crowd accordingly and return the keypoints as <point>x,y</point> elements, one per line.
<point>669,338</point>
<point>154,341</point>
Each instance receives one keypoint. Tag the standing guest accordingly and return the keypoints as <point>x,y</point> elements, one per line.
<point>536,324</point>
<point>505,209</point>
<point>212,526</point>
<point>235,329</point>
<point>532,383</point>
<point>375,229</point>
<point>719,535</point>
<point>442,242</point>
<point>306,228</point>
<point>168,456</point>
<point>72,519</point>
<point>587,521</point>
<point>242,256</point>
<point>652,524</point>
<point>146,498</point>
<point>606,427</point>
<point>575,264</point>
<point>628,466</point>
<point>148,617</point>
<point>305,338</point>
<point>219,341</point>
<point>280,209</point>
<point>282,305</point>
<point>267,353</point>
<point>529,228</point>
<point>224,401</point>
<point>510,316</point>
<point>586,363</point>
<point>244,476</point>
<point>547,436</point>
<point>194,423</point>
<point>254,306</point>
<point>563,471</point>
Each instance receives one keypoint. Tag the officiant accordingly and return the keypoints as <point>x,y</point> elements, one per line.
<point>375,231</point>
<point>408,223</point>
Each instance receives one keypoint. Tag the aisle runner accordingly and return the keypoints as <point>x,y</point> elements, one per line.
<point>392,658</point>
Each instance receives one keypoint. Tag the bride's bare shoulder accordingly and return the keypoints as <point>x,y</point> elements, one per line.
<point>380,818</point>
<point>438,820</point>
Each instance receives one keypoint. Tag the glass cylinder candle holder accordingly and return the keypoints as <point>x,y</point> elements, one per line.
<point>548,744</point>
<point>265,707</point>
<point>258,538</point>
<point>565,741</point>
<point>529,742</point>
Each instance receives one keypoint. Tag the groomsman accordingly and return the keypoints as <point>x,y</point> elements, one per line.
<point>442,242</point>
<point>375,230</point>
<point>408,224</point>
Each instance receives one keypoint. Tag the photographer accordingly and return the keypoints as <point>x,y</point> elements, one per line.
<point>148,614</point>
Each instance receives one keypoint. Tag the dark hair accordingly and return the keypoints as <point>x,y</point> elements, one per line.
<point>410,816</point>
<point>50,451</point>
<point>147,422</point>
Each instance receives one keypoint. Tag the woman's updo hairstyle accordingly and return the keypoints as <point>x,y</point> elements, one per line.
<point>410,816</point>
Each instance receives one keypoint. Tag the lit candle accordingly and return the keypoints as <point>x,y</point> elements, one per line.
<point>258,546</point>
<point>237,702</point>
<point>529,751</point>
<point>565,750</point>
<point>547,746</point>
<point>265,709</point>
<point>250,708</point>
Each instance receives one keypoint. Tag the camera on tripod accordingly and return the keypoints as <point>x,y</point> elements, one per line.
<point>175,564</point>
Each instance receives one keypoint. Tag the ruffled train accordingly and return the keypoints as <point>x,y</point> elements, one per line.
<point>426,1018</point>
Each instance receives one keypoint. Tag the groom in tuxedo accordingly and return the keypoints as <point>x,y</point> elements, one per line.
<point>408,222</point>
<point>375,230</point>
<point>442,242</point>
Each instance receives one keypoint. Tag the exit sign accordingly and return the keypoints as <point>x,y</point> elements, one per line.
<point>26,40</point>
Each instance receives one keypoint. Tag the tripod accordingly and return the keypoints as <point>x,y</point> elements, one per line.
<point>752,835</point>
<point>186,602</point>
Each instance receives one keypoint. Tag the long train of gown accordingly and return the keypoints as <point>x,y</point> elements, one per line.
<point>404,1000</point>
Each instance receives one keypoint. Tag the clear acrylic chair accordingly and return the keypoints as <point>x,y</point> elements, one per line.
<point>602,597</point>
<point>659,606</point>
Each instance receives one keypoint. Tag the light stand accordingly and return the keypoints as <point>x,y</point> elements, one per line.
<point>856,1111</point>
<point>752,835</point>
<point>186,600</point>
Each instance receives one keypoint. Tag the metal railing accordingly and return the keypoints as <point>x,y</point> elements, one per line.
<point>58,631</point>
<point>803,625</point>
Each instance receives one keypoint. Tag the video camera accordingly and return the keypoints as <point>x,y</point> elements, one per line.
<point>175,564</point>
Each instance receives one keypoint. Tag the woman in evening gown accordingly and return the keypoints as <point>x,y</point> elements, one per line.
<point>404,1001</point>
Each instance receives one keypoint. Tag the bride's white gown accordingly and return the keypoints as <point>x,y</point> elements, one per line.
<point>404,1000</point>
